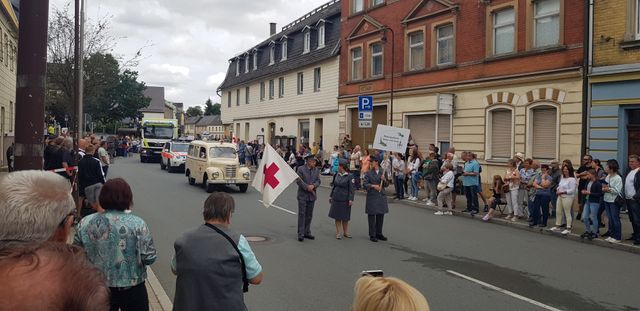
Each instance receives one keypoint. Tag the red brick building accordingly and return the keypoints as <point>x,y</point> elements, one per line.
<point>494,77</point>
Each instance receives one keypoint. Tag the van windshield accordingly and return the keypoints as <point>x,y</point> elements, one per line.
<point>222,152</point>
<point>158,132</point>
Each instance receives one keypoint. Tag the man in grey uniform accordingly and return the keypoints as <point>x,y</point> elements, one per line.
<point>308,182</point>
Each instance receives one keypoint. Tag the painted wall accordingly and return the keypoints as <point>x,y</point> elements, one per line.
<point>8,69</point>
<point>612,24</point>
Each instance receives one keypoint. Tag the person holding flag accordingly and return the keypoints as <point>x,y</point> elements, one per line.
<point>308,182</point>
<point>273,176</point>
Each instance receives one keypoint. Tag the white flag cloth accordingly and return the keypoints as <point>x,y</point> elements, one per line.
<point>273,176</point>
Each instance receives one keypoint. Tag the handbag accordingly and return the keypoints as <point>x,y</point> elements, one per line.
<point>620,201</point>
<point>506,188</point>
<point>441,186</point>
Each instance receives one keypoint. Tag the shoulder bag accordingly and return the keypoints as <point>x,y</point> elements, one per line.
<point>245,281</point>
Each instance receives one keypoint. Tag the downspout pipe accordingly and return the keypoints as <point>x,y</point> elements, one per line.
<point>586,71</point>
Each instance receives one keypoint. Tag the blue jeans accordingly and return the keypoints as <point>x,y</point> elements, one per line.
<point>591,212</point>
<point>615,226</point>
<point>471,192</point>
<point>398,183</point>
<point>539,210</point>
<point>414,185</point>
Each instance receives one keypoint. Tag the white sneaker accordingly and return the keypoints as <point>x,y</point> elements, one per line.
<point>514,218</point>
<point>438,213</point>
<point>612,240</point>
<point>608,239</point>
<point>431,203</point>
<point>449,213</point>
<point>508,217</point>
<point>566,231</point>
<point>413,199</point>
<point>555,229</point>
<point>425,200</point>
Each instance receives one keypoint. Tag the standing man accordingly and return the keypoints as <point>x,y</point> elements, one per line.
<point>10,157</point>
<point>632,194</point>
<point>556,174</point>
<point>104,156</point>
<point>375,180</point>
<point>241,152</point>
<point>583,174</point>
<point>308,182</point>
<point>470,182</point>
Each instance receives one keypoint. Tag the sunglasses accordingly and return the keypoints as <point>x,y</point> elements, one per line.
<point>72,214</point>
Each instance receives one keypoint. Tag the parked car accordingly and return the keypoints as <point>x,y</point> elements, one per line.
<point>174,156</point>
<point>215,163</point>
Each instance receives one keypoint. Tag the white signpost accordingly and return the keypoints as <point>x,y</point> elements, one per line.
<point>392,139</point>
<point>365,124</point>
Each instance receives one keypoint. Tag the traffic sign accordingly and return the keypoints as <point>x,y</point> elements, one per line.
<point>365,124</point>
<point>365,103</point>
<point>365,115</point>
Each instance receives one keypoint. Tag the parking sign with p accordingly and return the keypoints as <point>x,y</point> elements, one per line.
<point>365,103</point>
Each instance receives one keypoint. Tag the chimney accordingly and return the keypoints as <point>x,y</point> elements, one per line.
<point>272,29</point>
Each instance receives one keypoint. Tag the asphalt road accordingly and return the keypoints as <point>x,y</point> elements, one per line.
<point>456,262</point>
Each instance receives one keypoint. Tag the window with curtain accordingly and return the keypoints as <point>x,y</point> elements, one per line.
<point>503,31</point>
<point>321,36</point>
<point>281,87</point>
<point>262,91</point>
<point>307,42</point>
<point>246,64</point>
<point>316,79</point>
<point>544,130</point>
<point>501,133</point>
<point>445,44</point>
<point>247,94</point>
<point>300,83</point>
<point>229,99</point>
<point>237,67</point>
<point>272,90</point>
<point>546,23</point>
<point>416,50</point>
<point>255,60</point>
<point>272,55</point>
<point>284,50</point>
<point>356,64</point>
<point>376,60</point>
<point>237,97</point>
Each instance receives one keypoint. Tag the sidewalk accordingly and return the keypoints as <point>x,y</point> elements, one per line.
<point>158,299</point>
<point>461,204</point>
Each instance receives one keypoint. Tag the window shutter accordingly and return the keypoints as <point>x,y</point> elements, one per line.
<point>444,128</point>
<point>501,133</point>
<point>423,128</point>
<point>545,129</point>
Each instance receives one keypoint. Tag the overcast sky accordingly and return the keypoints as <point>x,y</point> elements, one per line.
<point>190,41</point>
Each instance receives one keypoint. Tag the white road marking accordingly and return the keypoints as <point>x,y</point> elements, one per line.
<point>280,208</point>
<point>504,291</point>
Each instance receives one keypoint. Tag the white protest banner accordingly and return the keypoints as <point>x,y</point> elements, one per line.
<point>390,138</point>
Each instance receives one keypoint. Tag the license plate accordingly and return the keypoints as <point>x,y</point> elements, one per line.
<point>231,181</point>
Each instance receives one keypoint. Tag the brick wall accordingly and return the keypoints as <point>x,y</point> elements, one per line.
<point>610,26</point>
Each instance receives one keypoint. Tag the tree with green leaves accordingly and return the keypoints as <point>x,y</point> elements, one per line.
<point>122,100</point>
<point>211,109</point>
<point>195,111</point>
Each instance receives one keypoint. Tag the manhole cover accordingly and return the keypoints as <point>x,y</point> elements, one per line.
<point>256,238</point>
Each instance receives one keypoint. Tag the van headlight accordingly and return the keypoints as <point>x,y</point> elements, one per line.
<point>246,175</point>
<point>216,175</point>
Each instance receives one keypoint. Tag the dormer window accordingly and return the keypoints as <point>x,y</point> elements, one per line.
<point>255,60</point>
<point>284,50</point>
<point>237,67</point>
<point>321,35</point>
<point>307,42</point>
<point>272,54</point>
<point>246,63</point>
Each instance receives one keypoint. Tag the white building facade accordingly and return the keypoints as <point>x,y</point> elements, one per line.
<point>8,72</point>
<point>284,91</point>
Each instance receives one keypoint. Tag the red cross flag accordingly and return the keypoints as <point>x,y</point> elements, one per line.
<point>273,176</point>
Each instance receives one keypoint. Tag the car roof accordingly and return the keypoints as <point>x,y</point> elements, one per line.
<point>212,144</point>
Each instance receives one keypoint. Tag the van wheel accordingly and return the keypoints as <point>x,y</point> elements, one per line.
<point>207,187</point>
<point>243,187</point>
<point>162,166</point>
<point>169,169</point>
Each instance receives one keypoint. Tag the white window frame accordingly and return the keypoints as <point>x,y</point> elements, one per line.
<point>536,17</point>
<point>262,91</point>
<point>307,42</point>
<point>281,87</point>
<point>246,64</point>
<point>637,20</point>
<point>321,36</point>
<point>444,39</point>
<point>488,130</point>
<point>376,2</point>
<point>247,95</point>
<point>317,79</point>
<point>272,55</point>
<point>272,89</point>
<point>300,86</point>
<point>255,60</point>
<point>529,134</point>
<point>357,6</point>
<point>284,47</point>
<point>412,46</point>
<point>497,26</point>
<point>356,64</point>
<point>237,97</point>
<point>373,56</point>
<point>237,67</point>
<point>228,99</point>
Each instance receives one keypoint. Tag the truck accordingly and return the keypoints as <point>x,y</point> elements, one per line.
<point>155,133</point>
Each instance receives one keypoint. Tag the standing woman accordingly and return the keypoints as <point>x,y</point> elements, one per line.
<point>612,189</point>
<point>120,245</point>
<point>364,162</point>
<point>566,194</point>
<point>376,205</point>
<point>398,175</point>
<point>512,179</point>
<point>592,194</point>
<point>542,184</point>
<point>341,199</point>
<point>414,163</point>
<point>354,166</point>
<point>333,160</point>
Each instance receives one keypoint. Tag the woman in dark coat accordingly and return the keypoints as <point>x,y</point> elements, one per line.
<point>375,180</point>
<point>341,199</point>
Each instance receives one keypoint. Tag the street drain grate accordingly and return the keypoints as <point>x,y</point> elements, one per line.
<point>256,238</point>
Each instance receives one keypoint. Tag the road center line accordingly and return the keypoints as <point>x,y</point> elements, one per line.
<point>504,291</point>
<point>280,208</point>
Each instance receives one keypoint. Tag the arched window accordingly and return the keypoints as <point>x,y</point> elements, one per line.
<point>499,132</point>
<point>543,133</point>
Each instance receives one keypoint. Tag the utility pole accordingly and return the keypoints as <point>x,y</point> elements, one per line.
<point>30,87</point>
<point>78,68</point>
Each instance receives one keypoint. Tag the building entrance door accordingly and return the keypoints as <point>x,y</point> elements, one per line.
<point>272,134</point>
<point>364,137</point>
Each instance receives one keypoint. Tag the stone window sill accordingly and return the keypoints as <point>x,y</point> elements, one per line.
<point>629,45</point>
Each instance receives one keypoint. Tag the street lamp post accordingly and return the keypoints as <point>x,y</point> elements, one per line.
<point>393,49</point>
